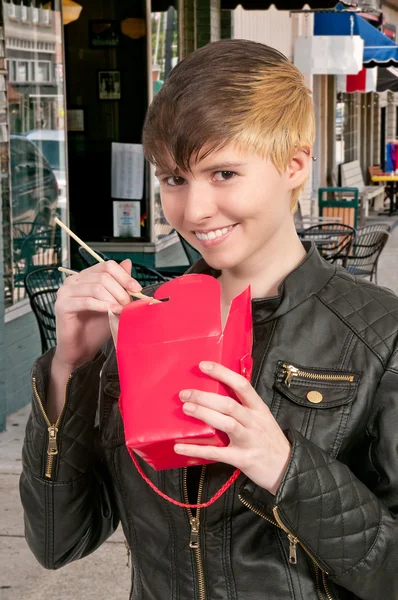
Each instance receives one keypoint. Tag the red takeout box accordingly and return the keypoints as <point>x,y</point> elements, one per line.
<point>159,348</point>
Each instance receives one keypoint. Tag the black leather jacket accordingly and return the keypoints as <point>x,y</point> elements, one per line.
<point>336,509</point>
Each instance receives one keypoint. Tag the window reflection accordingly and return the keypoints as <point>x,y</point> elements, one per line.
<point>164,58</point>
<point>37,156</point>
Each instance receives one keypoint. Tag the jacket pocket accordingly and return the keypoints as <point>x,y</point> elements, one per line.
<point>110,420</point>
<point>316,402</point>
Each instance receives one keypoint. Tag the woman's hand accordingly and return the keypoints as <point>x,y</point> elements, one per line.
<point>82,308</point>
<point>257,446</point>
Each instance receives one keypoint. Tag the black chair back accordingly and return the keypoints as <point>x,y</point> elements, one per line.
<point>364,253</point>
<point>41,286</point>
<point>332,239</point>
<point>374,227</point>
<point>43,278</point>
<point>42,303</point>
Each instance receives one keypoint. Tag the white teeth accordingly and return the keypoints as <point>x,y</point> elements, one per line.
<point>212,235</point>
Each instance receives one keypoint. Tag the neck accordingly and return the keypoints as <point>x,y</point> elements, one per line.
<point>265,271</point>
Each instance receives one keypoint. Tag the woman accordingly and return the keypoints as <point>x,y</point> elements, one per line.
<point>313,514</point>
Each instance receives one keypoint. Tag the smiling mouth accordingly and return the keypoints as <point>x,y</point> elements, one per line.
<point>213,235</point>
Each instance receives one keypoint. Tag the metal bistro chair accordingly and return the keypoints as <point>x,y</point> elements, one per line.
<point>374,227</point>
<point>42,249</point>
<point>364,252</point>
<point>42,286</point>
<point>332,239</point>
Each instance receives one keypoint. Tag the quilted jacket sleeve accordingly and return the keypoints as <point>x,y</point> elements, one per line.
<point>350,526</point>
<point>71,513</point>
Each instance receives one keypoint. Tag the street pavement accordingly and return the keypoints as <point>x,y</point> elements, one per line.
<point>104,574</point>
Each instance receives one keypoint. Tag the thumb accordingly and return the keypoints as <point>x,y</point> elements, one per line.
<point>127,265</point>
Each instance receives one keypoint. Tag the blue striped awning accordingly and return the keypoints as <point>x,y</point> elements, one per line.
<point>379,50</point>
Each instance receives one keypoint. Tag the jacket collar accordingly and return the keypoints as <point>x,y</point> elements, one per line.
<point>307,279</point>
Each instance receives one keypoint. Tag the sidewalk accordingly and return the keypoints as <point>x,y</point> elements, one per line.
<point>103,575</point>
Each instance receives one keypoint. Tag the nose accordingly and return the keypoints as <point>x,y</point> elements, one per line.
<point>200,204</point>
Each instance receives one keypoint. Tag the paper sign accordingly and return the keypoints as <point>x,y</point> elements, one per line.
<point>75,120</point>
<point>126,218</point>
<point>127,171</point>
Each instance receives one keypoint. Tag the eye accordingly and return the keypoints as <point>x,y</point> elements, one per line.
<point>174,181</point>
<point>224,175</point>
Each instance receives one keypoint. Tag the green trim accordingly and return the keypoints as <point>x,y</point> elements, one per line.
<point>346,203</point>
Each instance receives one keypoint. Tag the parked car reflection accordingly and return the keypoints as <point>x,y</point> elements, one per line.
<point>34,193</point>
<point>34,187</point>
<point>51,143</point>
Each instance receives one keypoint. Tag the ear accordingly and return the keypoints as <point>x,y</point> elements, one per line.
<point>299,167</point>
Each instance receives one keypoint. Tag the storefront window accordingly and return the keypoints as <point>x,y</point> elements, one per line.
<point>35,192</point>
<point>164,58</point>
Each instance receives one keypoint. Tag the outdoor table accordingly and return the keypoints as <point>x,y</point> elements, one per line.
<point>391,181</point>
<point>327,241</point>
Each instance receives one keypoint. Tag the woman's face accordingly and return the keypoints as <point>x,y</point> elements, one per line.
<point>233,206</point>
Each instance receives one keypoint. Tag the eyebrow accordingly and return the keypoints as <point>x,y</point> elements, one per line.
<point>219,167</point>
<point>223,166</point>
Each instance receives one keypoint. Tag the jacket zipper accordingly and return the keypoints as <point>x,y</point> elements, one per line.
<point>194,521</point>
<point>52,448</point>
<point>293,541</point>
<point>128,552</point>
<point>291,371</point>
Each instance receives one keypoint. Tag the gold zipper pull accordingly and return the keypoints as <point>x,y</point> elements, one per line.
<point>292,549</point>
<point>52,440</point>
<point>194,539</point>
<point>127,552</point>
<point>290,373</point>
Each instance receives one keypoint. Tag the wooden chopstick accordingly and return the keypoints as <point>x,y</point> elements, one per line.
<point>67,271</point>
<point>97,257</point>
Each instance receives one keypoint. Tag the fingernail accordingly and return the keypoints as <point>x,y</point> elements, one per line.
<point>134,286</point>
<point>177,448</point>
<point>206,366</point>
<point>189,407</point>
<point>185,394</point>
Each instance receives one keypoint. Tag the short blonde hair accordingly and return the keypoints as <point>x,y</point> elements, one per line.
<point>232,91</point>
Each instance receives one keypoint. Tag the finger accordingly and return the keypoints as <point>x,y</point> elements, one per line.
<point>86,304</point>
<point>241,386</point>
<point>89,290</point>
<point>118,272</point>
<point>108,282</point>
<point>127,265</point>
<point>215,419</point>
<point>206,452</point>
<point>223,404</point>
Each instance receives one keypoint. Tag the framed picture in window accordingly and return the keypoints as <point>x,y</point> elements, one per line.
<point>109,85</point>
<point>104,34</point>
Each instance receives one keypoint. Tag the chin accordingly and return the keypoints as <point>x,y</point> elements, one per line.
<point>221,263</point>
